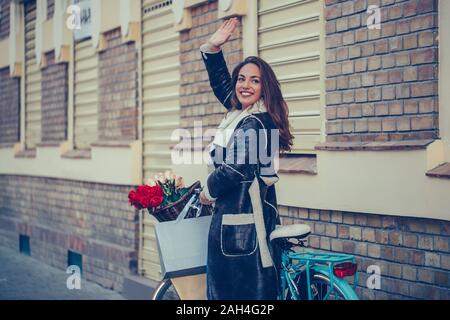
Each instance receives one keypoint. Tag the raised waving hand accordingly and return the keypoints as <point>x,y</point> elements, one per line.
<point>223,33</point>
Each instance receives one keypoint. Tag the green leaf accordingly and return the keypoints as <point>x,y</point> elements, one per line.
<point>183,191</point>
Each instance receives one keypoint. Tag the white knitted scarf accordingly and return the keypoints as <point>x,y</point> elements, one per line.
<point>231,120</point>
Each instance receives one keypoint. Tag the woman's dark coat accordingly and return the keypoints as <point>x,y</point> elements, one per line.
<point>241,262</point>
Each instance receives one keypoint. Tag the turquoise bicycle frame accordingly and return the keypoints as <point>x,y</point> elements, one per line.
<point>323,263</point>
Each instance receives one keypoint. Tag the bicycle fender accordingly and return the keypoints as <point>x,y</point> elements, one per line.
<point>341,283</point>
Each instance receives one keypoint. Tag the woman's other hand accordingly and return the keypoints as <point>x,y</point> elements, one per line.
<point>204,200</point>
<point>223,33</point>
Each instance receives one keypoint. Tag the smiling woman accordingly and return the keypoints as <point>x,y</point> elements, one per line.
<point>248,86</point>
<point>241,263</point>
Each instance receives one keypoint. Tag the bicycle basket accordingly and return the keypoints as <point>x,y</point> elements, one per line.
<point>171,212</point>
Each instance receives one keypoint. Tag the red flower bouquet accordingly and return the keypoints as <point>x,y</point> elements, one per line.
<point>146,197</point>
<point>162,196</point>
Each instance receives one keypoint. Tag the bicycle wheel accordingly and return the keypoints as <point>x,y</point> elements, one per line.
<point>165,291</point>
<point>321,288</point>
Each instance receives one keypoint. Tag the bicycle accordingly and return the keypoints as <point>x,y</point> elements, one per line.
<point>303,275</point>
<point>311,275</point>
<point>165,291</point>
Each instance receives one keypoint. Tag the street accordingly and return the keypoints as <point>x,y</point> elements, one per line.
<point>25,278</point>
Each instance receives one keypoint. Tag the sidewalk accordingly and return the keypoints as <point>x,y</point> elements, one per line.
<point>23,277</point>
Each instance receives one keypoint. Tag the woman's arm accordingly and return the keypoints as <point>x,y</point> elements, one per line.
<point>212,55</point>
<point>219,77</point>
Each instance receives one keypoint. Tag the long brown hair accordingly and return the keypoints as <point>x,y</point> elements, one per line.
<point>272,96</point>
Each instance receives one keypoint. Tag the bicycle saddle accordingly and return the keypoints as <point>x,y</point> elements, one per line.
<point>291,231</point>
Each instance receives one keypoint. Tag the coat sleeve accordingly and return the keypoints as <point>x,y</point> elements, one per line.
<point>219,77</point>
<point>241,162</point>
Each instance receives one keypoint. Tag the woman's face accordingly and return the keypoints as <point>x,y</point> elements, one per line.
<point>248,85</point>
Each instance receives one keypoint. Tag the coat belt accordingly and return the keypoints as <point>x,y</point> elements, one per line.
<point>255,197</point>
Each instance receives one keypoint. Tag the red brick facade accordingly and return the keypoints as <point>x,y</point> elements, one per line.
<point>118,90</point>
<point>91,219</point>
<point>382,84</point>
<point>412,253</point>
<point>54,88</point>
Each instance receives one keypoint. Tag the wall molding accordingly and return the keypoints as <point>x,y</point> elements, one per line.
<point>125,163</point>
<point>232,8</point>
<point>378,182</point>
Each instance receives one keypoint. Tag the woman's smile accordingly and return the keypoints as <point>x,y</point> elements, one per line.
<point>248,85</point>
<point>246,93</point>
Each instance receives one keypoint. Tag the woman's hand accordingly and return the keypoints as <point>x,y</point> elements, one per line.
<point>223,33</point>
<point>204,200</point>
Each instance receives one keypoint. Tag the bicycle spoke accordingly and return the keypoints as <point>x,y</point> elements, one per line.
<point>320,289</point>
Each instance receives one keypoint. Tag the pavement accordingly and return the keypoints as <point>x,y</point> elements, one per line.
<point>25,278</point>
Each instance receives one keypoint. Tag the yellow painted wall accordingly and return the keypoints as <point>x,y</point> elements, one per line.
<point>124,169</point>
<point>444,74</point>
<point>47,39</point>
<point>388,182</point>
<point>110,15</point>
<point>379,182</point>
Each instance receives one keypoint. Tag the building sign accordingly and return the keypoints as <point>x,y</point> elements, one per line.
<point>81,14</point>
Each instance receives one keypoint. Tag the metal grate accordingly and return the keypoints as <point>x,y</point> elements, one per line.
<point>74,258</point>
<point>157,6</point>
<point>24,245</point>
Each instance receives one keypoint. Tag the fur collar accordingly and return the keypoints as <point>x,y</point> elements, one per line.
<point>231,120</point>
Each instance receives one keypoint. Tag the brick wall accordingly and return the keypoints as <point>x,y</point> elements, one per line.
<point>196,98</point>
<point>4,21</point>
<point>118,94</point>
<point>381,84</point>
<point>92,219</point>
<point>412,253</point>
<point>9,107</point>
<point>54,88</point>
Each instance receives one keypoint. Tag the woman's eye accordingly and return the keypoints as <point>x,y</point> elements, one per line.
<point>240,79</point>
<point>255,81</point>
